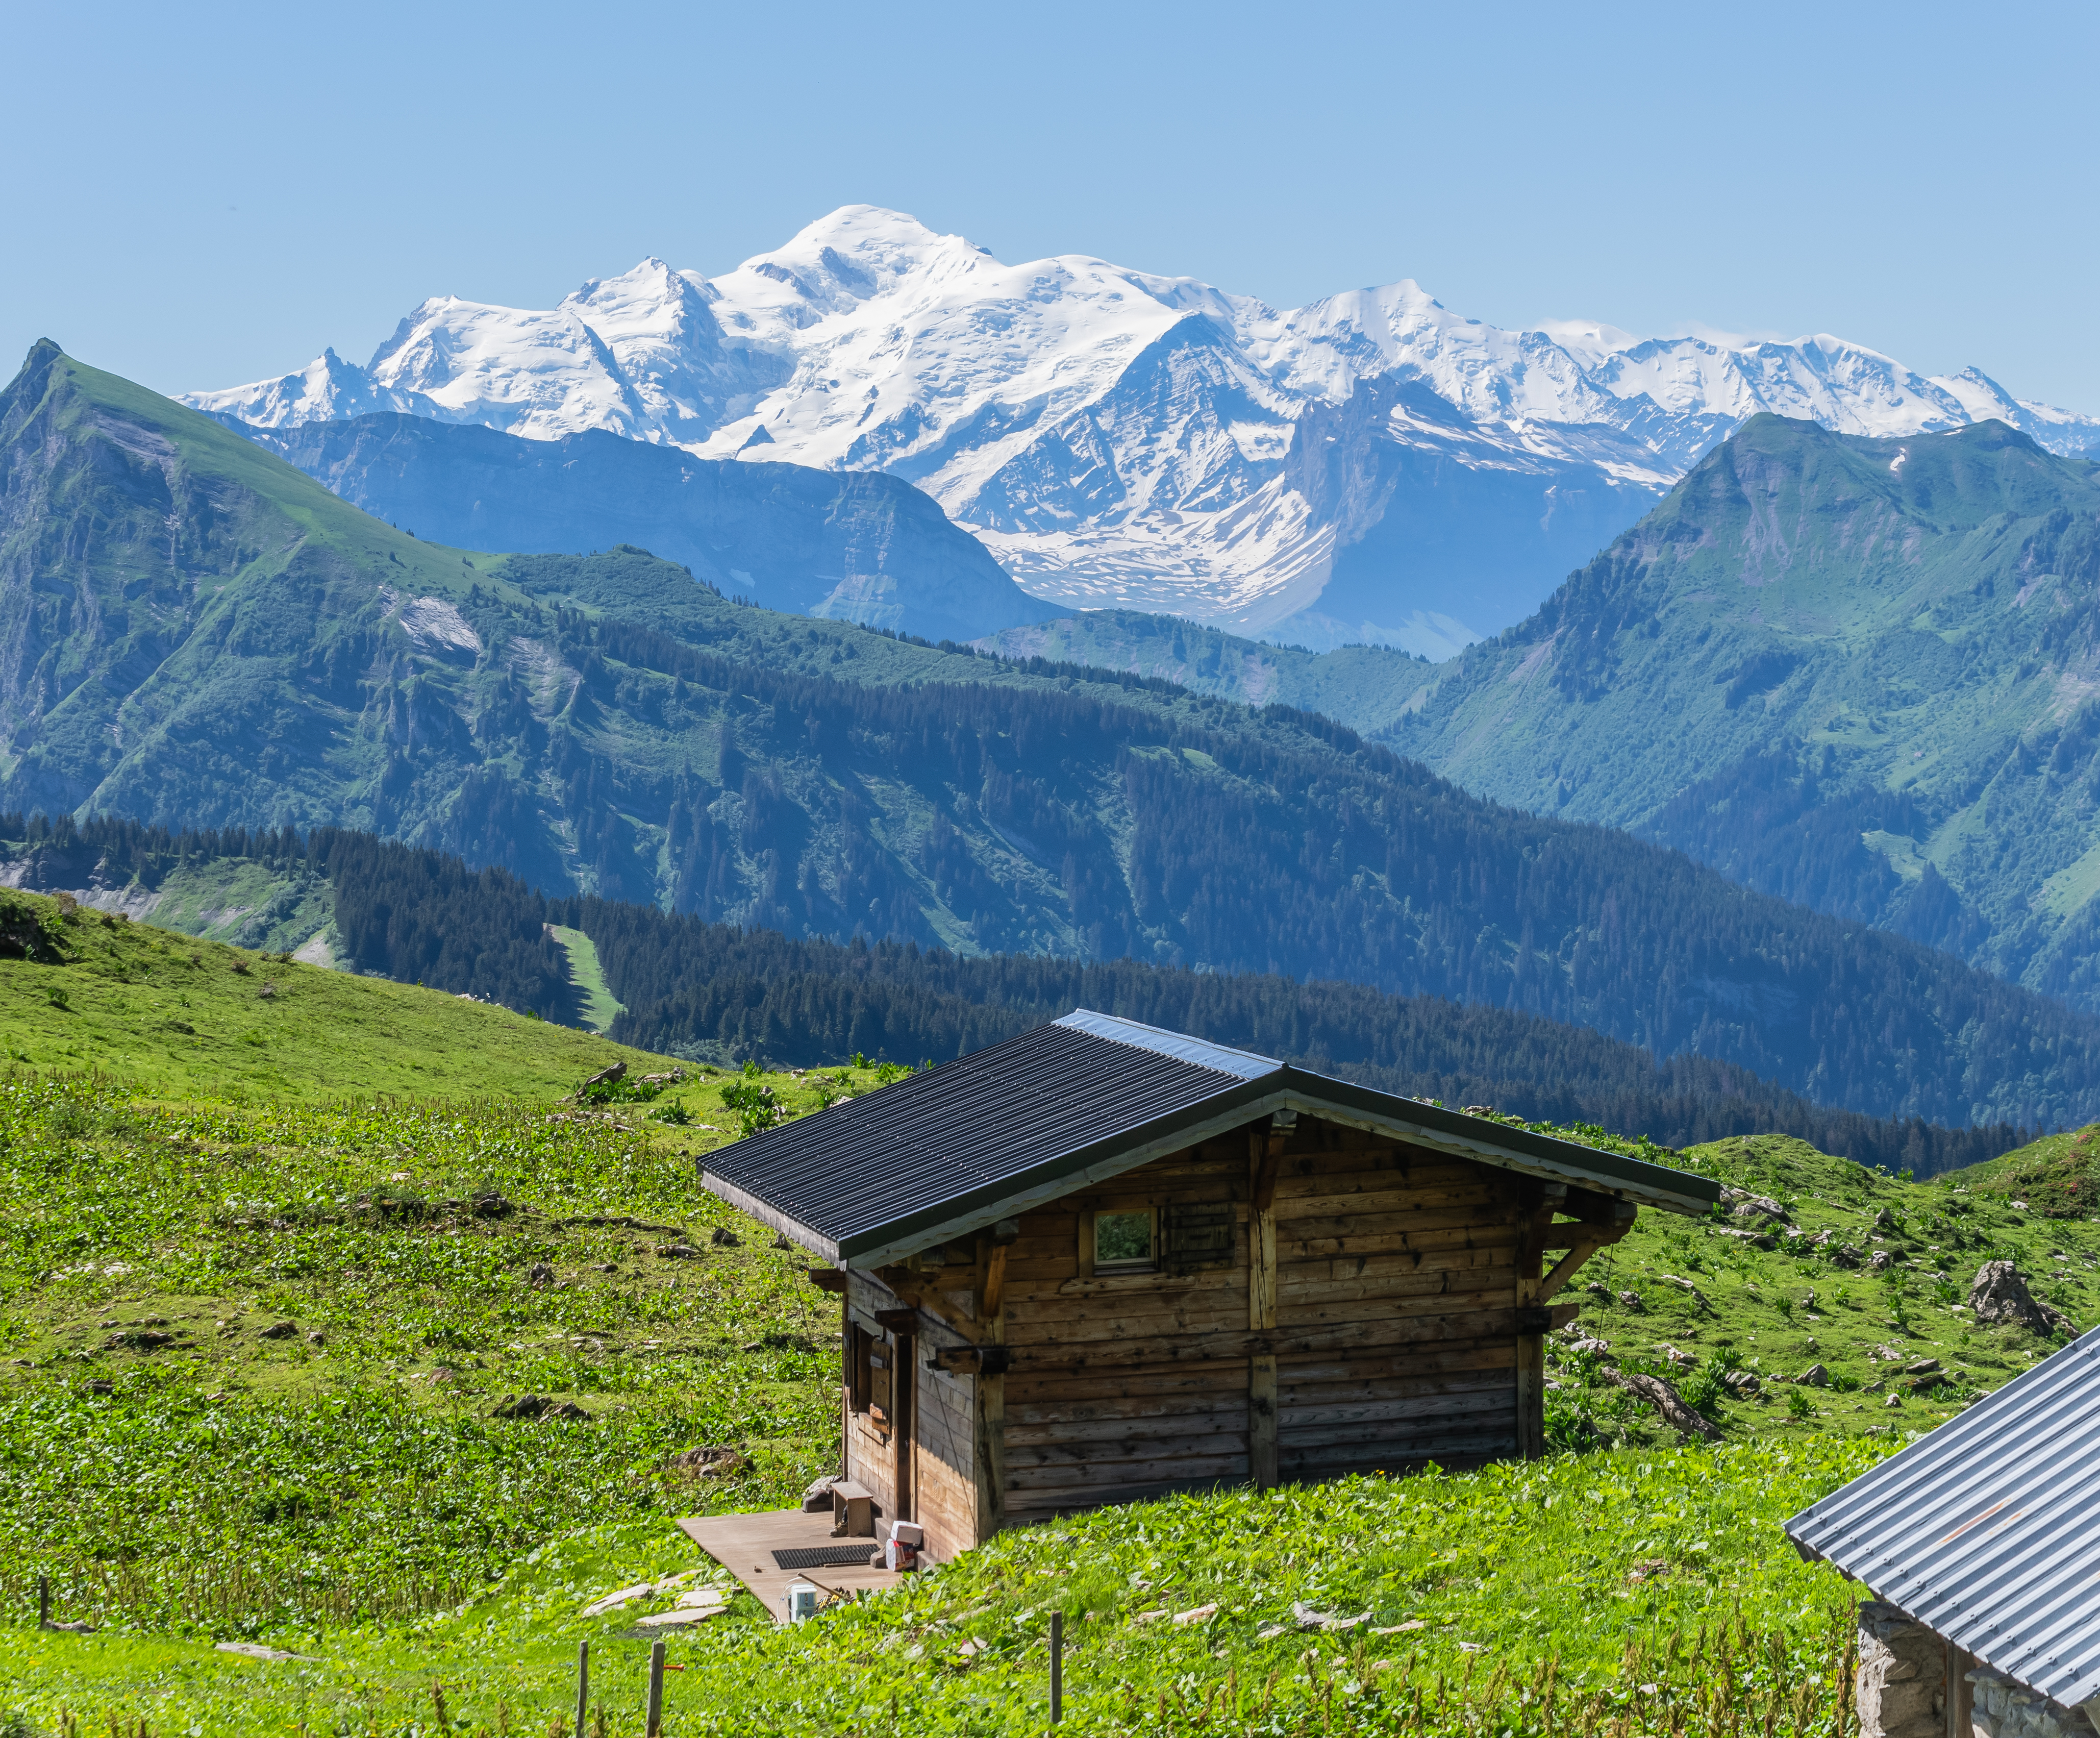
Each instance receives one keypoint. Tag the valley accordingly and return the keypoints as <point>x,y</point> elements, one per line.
<point>610,726</point>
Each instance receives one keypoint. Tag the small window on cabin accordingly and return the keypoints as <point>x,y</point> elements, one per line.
<point>1124,1241</point>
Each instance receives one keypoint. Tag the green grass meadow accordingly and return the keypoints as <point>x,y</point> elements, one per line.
<point>260,1303</point>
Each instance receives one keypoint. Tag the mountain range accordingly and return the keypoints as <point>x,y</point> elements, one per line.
<point>838,545</point>
<point>1863,674</point>
<point>1370,467</point>
<point>195,633</point>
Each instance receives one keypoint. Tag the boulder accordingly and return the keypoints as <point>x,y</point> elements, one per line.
<point>1999,1295</point>
<point>722,1237</point>
<point>715,1461</point>
<point>1815,1376</point>
<point>537,1406</point>
<point>280,1330</point>
<point>1744,1205</point>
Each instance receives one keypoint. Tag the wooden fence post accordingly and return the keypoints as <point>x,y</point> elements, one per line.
<point>654,1727</point>
<point>1056,1667</point>
<point>583,1687</point>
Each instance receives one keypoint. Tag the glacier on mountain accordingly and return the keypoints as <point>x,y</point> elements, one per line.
<point>1369,467</point>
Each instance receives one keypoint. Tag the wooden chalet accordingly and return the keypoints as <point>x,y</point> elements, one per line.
<point>1103,1261</point>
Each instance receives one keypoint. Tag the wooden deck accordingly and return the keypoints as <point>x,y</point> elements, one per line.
<point>744,1544</point>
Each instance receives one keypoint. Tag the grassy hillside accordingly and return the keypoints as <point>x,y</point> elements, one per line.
<point>242,647</point>
<point>254,1352</point>
<point>180,1016</point>
<point>1854,673</point>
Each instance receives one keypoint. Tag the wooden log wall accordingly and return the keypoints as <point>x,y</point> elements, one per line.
<point>1396,1306</point>
<point>923,1469</point>
<point>1366,1320</point>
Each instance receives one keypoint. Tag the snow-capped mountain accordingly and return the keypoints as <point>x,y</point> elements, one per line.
<point>1369,466</point>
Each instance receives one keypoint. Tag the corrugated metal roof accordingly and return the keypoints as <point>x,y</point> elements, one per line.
<point>1078,1100</point>
<point>1988,1530</point>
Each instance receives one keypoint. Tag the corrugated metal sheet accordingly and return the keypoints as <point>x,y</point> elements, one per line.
<point>1988,1530</point>
<point>1089,1095</point>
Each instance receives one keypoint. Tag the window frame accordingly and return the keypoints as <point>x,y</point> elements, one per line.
<point>1149,1263</point>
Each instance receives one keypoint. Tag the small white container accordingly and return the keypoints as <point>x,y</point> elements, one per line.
<point>801,1601</point>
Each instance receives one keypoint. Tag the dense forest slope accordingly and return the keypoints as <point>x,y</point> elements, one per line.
<point>1860,674</point>
<point>715,993</point>
<point>198,634</point>
<point>845,546</point>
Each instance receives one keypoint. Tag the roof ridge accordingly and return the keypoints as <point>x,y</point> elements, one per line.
<point>1241,1065</point>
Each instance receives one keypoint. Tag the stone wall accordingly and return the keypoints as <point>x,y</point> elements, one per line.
<point>2006,1708</point>
<point>1902,1680</point>
<point>1901,1689</point>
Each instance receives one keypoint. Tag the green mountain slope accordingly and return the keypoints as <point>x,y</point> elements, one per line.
<point>184,1016</point>
<point>199,635</point>
<point>1862,674</point>
<point>1366,687</point>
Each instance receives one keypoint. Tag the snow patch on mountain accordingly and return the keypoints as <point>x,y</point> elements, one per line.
<point>1121,440</point>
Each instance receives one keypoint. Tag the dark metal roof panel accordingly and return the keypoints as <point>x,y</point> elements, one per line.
<point>936,1142</point>
<point>1089,1093</point>
<point>1988,1530</point>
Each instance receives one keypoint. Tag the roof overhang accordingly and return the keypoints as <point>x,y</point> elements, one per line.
<point>1284,1088</point>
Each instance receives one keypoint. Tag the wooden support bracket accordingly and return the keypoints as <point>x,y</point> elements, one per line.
<point>829,1279</point>
<point>1587,1241</point>
<point>925,1298</point>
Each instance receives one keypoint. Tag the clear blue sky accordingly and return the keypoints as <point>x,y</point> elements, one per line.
<point>198,196</point>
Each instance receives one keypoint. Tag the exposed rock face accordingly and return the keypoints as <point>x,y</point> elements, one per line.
<point>1901,1678</point>
<point>2005,1708</point>
<point>1669,1403</point>
<point>2000,1293</point>
<point>1745,1205</point>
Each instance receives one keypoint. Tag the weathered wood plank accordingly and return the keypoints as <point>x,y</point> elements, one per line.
<point>1165,1384</point>
<point>1477,1201</point>
<point>1124,1419</point>
<point>1331,1461</point>
<point>1462,1322</point>
<point>1115,1450</point>
<point>1387,1414</point>
<point>1302,1295</point>
<point>1080,1478</point>
<point>1046,1505</point>
<point>1312,1227</point>
<point>1490,1354</point>
<point>1374,1388</point>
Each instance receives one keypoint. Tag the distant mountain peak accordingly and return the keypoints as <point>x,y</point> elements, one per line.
<point>1231,476</point>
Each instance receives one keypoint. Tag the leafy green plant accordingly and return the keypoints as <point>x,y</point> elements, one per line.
<point>1798,1405</point>
<point>757,1107</point>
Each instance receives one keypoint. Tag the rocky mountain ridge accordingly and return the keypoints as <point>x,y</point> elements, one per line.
<point>1370,467</point>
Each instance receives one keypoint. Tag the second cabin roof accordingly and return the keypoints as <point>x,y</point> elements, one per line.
<point>943,1154</point>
